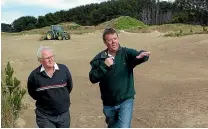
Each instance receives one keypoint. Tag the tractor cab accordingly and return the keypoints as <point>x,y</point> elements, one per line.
<point>57,28</point>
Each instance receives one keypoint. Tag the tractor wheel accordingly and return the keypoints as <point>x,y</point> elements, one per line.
<point>67,36</point>
<point>60,37</point>
<point>49,35</point>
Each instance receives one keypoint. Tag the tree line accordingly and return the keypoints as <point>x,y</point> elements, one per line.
<point>151,12</point>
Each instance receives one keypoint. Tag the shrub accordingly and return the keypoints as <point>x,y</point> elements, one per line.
<point>11,99</point>
<point>204,28</point>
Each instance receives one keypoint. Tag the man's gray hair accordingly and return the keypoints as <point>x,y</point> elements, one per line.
<point>39,53</point>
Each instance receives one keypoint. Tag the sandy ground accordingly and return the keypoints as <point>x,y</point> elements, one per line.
<point>171,87</point>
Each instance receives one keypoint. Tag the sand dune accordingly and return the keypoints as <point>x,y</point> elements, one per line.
<point>171,87</point>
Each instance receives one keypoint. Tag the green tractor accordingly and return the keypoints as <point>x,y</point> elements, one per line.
<point>57,32</point>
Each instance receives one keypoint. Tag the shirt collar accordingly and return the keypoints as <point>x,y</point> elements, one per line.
<point>109,55</point>
<point>55,68</point>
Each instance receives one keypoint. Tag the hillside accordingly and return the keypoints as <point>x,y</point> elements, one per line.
<point>125,23</point>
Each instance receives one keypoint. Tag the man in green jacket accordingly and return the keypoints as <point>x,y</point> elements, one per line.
<point>113,69</point>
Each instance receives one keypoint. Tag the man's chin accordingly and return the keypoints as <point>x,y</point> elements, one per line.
<point>51,65</point>
<point>115,49</point>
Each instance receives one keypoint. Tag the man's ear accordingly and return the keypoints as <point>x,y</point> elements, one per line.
<point>39,60</point>
<point>105,43</point>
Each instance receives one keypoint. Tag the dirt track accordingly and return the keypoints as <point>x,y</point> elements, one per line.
<point>171,87</point>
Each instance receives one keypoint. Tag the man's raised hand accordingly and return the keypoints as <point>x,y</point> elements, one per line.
<point>142,54</point>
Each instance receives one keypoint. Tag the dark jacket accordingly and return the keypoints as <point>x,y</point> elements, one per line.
<point>116,82</point>
<point>51,94</point>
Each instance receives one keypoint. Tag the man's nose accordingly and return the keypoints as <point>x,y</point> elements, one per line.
<point>51,59</point>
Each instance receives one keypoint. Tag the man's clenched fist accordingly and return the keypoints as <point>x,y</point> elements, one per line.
<point>109,61</point>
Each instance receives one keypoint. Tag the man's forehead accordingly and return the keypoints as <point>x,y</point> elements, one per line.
<point>45,53</point>
<point>112,33</point>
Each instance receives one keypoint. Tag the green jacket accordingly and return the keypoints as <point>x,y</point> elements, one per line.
<point>116,82</point>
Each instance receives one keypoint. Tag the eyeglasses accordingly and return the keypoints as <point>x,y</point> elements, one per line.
<point>47,58</point>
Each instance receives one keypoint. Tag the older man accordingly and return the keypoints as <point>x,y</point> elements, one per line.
<point>50,85</point>
<point>113,69</point>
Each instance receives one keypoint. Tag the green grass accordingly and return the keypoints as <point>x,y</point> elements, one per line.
<point>123,23</point>
<point>127,22</point>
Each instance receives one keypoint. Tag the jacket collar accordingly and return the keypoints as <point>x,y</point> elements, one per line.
<point>104,54</point>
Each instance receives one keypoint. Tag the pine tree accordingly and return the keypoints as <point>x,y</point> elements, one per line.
<point>12,95</point>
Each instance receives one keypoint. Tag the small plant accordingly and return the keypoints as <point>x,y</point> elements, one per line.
<point>7,117</point>
<point>204,29</point>
<point>75,26</point>
<point>43,37</point>
<point>178,34</point>
<point>191,30</point>
<point>12,96</point>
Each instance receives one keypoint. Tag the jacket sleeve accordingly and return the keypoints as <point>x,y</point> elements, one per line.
<point>69,80</point>
<point>97,71</point>
<point>131,55</point>
<point>31,87</point>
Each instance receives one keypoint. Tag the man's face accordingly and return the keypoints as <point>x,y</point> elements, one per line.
<point>47,59</point>
<point>111,41</point>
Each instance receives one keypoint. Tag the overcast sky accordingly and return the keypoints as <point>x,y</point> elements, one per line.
<point>13,9</point>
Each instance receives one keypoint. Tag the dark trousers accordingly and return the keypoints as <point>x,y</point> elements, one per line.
<point>46,121</point>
